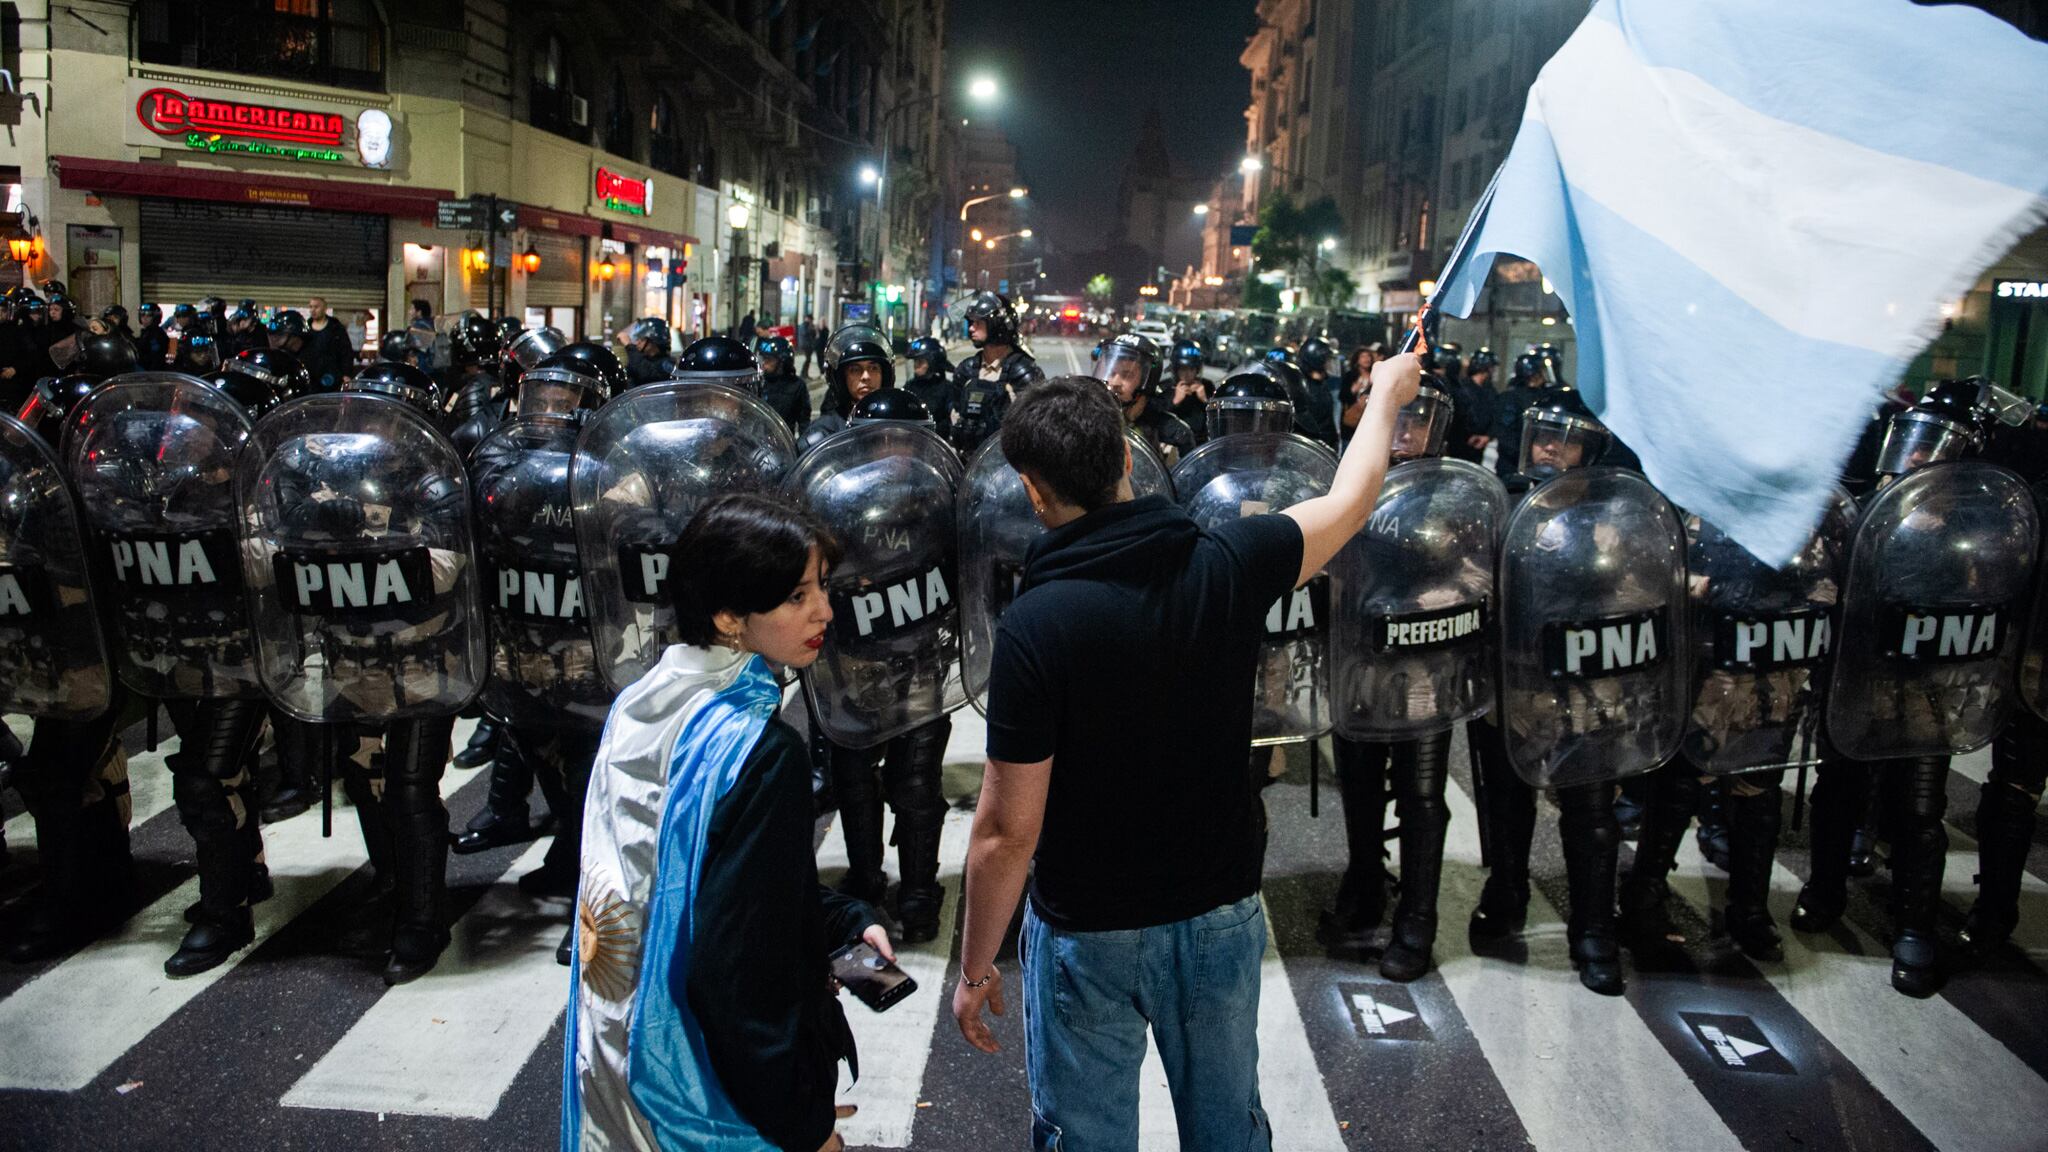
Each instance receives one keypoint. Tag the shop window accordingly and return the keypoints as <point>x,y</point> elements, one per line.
<point>337,42</point>
<point>667,151</point>
<point>552,104</point>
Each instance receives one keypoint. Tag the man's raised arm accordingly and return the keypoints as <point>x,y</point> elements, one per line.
<point>1329,522</point>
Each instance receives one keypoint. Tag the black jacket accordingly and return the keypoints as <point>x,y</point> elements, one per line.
<point>940,395</point>
<point>759,983</point>
<point>330,354</point>
<point>791,399</point>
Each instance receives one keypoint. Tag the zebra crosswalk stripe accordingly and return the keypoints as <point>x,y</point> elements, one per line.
<point>451,1042</point>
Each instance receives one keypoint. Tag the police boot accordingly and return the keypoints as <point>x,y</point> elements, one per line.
<point>1350,921</point>
<point>1754,816</point>
<point>1918,791</point>
<point>299,771</point>
<point>1669,796</point>
<point>1510,815</point>
<point>482,747</point>
<point>1713,828</point>
<point>376,825</point>
<point>504,818</point>
<point>207,774</point>
<point>1628,807</point>
<point>563,783</point>
<point>1840,799</point>
<point>414,752</point>
<point>82,848</point>
<point>1420,769</point>
<point>913,766</point>
<point>2005,831</point>
<point>860,823</point>
<point>1592,844</point>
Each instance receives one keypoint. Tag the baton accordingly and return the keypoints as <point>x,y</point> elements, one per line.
<point>1478,767</point>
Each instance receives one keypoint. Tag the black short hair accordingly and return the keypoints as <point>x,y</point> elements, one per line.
<point>743,553</point>
<point>1068,434</point>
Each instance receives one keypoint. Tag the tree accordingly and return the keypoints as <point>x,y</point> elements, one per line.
<point>1333,287</point>
<point>1289,232</point>
<point>1260,296</point>
<point>1101,290</point>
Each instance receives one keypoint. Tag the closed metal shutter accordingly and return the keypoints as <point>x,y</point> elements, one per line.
<point>559,282</point>
<point>277,256</point>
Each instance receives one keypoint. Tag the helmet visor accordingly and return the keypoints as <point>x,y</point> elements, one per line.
<point>1419,429</point>
<point>554,392</point>
<point>534,345</point>
<point>1232,415</point>
<point>745,379</point>
<point>1127,372</point>
<point>1916,439</point>
<point>1554,442</point>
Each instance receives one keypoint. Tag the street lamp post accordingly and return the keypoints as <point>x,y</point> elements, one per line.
<point>737,217</point>
<point>1015,194</point>
<point>982,89</point>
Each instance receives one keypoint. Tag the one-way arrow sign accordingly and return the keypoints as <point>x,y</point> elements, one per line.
<point>1384,1012</point>
<point>1737,1044</point>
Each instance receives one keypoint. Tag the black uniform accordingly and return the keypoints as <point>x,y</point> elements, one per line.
<point>940,395</point>
<point>985,394</point>
<point>1164,430</point>
<point>787,393</point>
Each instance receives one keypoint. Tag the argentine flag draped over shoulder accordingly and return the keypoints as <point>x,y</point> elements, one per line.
<point>1753,211</point>
<point>636,1074</point>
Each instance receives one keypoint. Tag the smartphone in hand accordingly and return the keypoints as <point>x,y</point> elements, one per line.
<point>875,982</point>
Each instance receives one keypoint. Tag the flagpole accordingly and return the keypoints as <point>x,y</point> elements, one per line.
<point>1451,264</point>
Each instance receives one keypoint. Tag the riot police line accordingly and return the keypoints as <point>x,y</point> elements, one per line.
<point>355,566</point>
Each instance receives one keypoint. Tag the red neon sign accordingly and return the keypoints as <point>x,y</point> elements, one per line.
<point>624,193</point>
<point>169,112</point>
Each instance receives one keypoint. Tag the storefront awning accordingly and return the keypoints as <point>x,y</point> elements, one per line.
<point>576,224</point>
<point>125,178</point>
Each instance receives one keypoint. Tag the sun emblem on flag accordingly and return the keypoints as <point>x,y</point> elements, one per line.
<point>608,942</point>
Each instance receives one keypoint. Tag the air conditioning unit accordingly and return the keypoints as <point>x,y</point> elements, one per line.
<point>579,111</point>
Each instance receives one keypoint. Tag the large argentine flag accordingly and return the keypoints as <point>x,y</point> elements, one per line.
<point>1753,211</point>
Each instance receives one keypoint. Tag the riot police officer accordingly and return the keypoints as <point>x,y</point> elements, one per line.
<point>784,390</point>
<point>1925,665</point>
<point>931,381</point>
<point>1129,364</point>
<point>243,333</point>
<point>368,615</point>
<point>1416,657</point>
<point>882,690</point>
<point>1581,721</point>
<point>1526,381</point>
<point>545,687</point>
<point>998,370</point>
<point>1190,390</point>
<point>857,363</point>
<point>476,402</point>
<point>647,351</point>
<point>1315,358</point>
<point>72,775</point>
<point>151,345</point>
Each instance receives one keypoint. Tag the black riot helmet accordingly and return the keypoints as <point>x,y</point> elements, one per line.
<point>719,360</point>
<point>279,369</point>
<point>996,313</point>
<point>150,314</point>
<point>891,404</point>
<point>1315,355</point>
<point>474,341</point>
<point>528,348</point>
<point>650,330</point>
<point>53,287</point>
<point>28,308</point>
<point>566,383</point>
<point>1528,371</point>
<point>403,381</point>
<point>116,317</point>
<point>397,348</point>
<point>1187,354</point>
<point>599,361</point>
<point>927,350</point>
<point>1553,362</point>
<point>1949,423</point>
<point>774,348</point>
<point>198,352</point>
<point>104,354</point>
<point>856,344</point>
<point>1250,402</point>
<point>50,404</point>
<point>1560,433</point>
<point>1445,359</point>
<point>187,317</point>
<point>1482,361</point>
<point>251,385</point>
<point>1129,364</point>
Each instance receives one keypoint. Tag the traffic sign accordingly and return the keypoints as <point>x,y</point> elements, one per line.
<point>458,214</point>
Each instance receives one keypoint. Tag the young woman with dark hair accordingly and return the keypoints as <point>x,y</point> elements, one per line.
<point>702,1012</point>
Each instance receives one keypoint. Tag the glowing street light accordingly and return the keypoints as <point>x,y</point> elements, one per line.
<point>982,88</point>
<point>737,216</point>
<point>868,175</point>
<point>1250,166</point>
<point>1026,233</point>
<point>976,235</point>
<point>1329,243</point>
<point>1201,209</point>
<point>1019,193</point>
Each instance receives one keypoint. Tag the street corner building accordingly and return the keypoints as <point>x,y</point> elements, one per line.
<point>574,167</point>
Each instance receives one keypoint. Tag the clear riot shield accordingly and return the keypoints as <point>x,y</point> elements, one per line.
<point>1593,660</point>
<point>1938,576</point>
<point>53,660</point>
<point>891,661</point>
<point>1761,638</point>
<point>1244,475</point>
<point>152,461</point>
<point>1414,605</point>
<point>2033,673</point>
<point>358,560</point>
<point>997,527</point>
<point>543,665</point>
<point>644,464</point>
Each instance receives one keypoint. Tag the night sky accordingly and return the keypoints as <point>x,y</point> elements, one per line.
<point>1077,76</point>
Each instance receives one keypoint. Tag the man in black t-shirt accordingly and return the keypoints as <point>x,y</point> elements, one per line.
<point>1119,715</point>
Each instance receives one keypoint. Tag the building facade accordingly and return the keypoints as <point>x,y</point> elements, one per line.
<point>163,150</point>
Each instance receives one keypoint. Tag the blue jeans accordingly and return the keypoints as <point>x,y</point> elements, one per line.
<point>1088,998</point>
